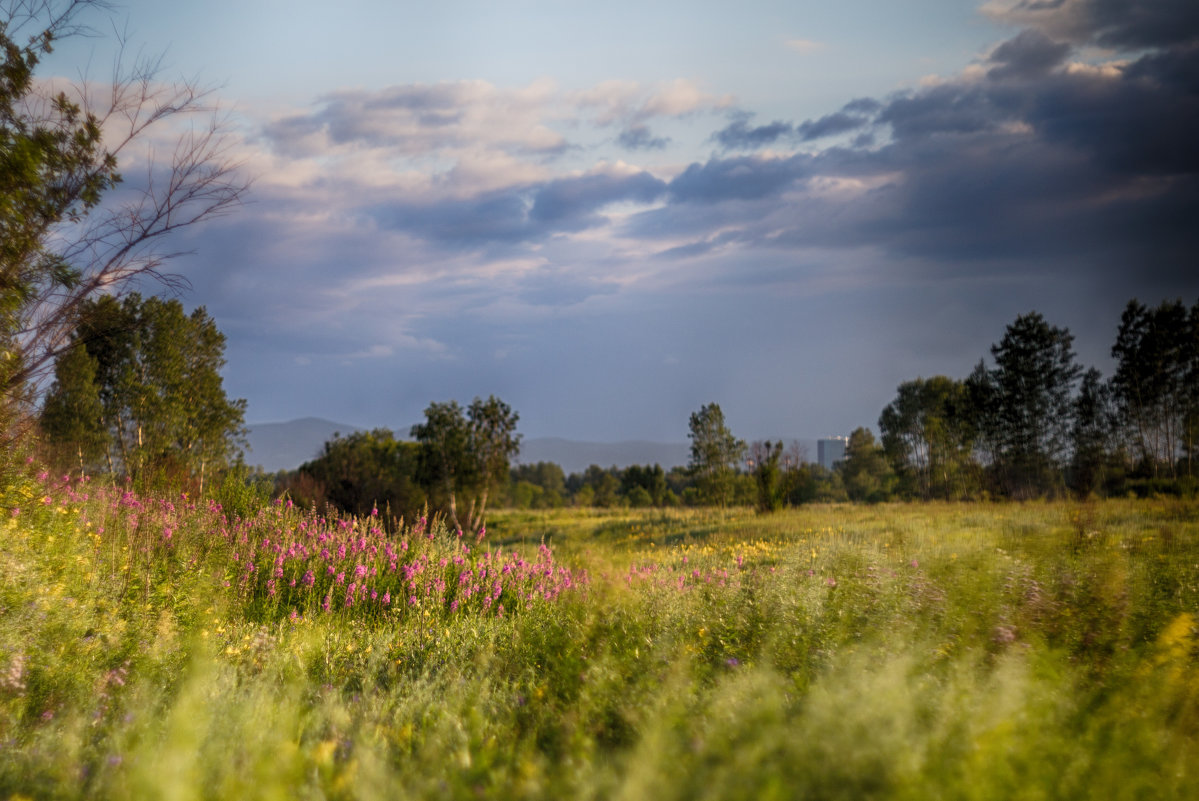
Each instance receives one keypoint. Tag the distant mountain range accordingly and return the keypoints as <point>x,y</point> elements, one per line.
<point>286,446</point>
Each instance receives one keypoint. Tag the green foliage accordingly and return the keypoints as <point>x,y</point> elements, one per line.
<point>866,472</point>
<point>360,472</point>
<point>53,170</point>
<point>243,493</point>
<point>927,434</point>
<point>644,485</point>
<point>892,652</point>
<point>715,455</point>
<point>466,455</point>
<point>1156,383</point>
<point>538,486</point>
<point>142,388</point>
<point>1023,405</point>
<point>764,458</point>
<point>1094,466</point>
<point>73,415</point>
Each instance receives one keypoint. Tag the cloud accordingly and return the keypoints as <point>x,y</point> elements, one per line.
<point>1120,24</point>
<point>576,199</point>
<point>522,213</point>
<point>736,178</point>
<point>418,119</point>
<point>630,104</point>
<point>738,135</point>
<point>1032,165</point>
<point>830,125</point>
<point>1031,54</point>
<point>639,137</point>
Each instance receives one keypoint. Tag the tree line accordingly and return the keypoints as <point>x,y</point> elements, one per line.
<point>458,462</point>
<point>1035,423</point>
<point>1030,423</point>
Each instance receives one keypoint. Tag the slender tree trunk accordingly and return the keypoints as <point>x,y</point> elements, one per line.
<point>454,510</point>
<point>123,444</point>
<point>476,524</point>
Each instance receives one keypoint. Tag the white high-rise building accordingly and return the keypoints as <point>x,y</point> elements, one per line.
<point>830,451</point>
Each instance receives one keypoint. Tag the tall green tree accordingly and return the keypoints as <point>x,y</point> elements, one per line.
<point>866,472</point>
<point>155,373</point>
<point>444,464</point>
<point>493,442</point>
<point>928,436</point>
<point>1028,405</point>
<point>763,463</point>
<point>1156,383</point>
<point>1093,436</point>
<point>73,415</point>
<point>715,454</point>
<point>466,455</point>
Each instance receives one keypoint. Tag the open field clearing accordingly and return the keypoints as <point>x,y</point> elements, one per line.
<point>164,648</point>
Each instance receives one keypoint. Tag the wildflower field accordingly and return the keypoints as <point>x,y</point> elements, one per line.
<point>160,647</point>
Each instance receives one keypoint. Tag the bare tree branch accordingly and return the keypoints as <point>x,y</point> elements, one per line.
<point>94,231</point>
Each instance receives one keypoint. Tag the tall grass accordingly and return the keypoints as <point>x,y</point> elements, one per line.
<point>157,648</point>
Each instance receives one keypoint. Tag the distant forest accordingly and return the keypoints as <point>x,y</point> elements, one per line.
<point>1030,423</point>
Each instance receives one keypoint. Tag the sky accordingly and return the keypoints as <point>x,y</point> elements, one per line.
<point>609,215</point>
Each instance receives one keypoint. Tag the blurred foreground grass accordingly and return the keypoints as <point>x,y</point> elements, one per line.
<point>1046,650</point>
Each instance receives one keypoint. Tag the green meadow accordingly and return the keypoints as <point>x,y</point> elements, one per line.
<point>158,647</point>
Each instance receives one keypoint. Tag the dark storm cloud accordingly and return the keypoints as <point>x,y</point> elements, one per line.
<point>1145,122</point>
<point>1030,55</point>
<point>1120,24</point>
<point>1028,166</point>
<point>948,109</point>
